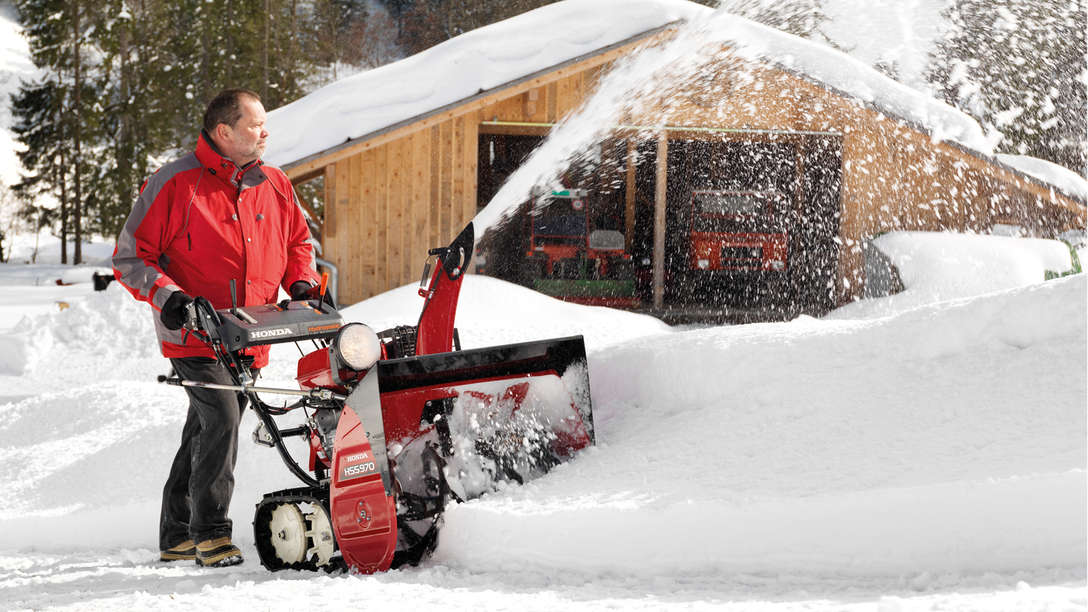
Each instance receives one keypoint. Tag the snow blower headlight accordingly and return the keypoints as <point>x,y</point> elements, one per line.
<point>357,346</point>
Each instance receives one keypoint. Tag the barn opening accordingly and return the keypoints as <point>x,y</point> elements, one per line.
<point>753,224</point>
<point>750,224</point>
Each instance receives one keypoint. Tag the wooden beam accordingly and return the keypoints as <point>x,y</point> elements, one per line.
<point>797,210</point>
<point>459,172</point>
<point>472,158</point>
<point>435,236</point>
<point>328,230</point>
<point>355,221</point>
<point>421,206</point>
<point>515,130</point>
<point>660,194</point>
<point>309,176</point>
<point>381,223</point>
<point>395,222</point>
<point>445,195</point>
<point>365,232</point>
<point>340,225</point>
<point>629,208</point>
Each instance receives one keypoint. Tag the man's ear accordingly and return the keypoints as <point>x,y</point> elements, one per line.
<point>222,132</point>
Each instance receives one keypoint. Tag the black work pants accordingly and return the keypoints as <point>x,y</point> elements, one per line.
<point>197,494</point>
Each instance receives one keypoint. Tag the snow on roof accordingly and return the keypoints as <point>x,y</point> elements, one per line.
<point>459,68</point>
<point>1059,176</point>
<point>503,52</point>
<point>849,76</point>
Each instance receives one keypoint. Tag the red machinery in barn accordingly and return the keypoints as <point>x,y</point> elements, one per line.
<point>398,423</point>
<point>572,257</point>
<point>730,231</point>
<point>738,241</point>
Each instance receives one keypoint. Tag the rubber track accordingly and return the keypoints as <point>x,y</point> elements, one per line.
<point>262,535</point>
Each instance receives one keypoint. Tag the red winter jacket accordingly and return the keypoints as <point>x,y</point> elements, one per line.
<point>201,221</point>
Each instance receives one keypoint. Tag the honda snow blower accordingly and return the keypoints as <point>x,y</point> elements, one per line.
<point>398,423</point>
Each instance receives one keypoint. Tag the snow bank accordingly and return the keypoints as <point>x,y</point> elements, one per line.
<point>950,438</point>
<point>493,311</point>
<point>45,249</point>
<point>940,266</point>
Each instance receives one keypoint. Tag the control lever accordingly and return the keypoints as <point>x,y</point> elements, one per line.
<point>241,314</point>
<point>324,287</point>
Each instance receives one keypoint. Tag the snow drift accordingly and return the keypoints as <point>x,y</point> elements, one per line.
<point>950,438</point>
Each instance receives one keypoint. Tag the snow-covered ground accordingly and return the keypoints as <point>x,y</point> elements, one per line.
<point>927,454</point>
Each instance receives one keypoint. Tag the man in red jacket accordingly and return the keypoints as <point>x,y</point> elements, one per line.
<point>215,215</point>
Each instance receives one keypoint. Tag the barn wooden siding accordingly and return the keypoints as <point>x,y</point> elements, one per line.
<point>385,206</point>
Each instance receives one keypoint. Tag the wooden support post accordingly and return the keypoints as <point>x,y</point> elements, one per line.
<point>660,193</point>
<point>629,210</point>
<point>797,211</point>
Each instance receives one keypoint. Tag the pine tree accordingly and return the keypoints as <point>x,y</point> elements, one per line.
<point>134,104</point>
<point>38,109</point>
<point>1019,68</point>
<point>803,18</point>
<point>425,23</point>
<point>57,32</point>
<point>125,83</point>
<point>77,118</point>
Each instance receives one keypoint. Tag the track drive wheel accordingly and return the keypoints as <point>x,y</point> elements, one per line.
<point>320,536</point>
<point>287,531</point>
<point>292,530</point>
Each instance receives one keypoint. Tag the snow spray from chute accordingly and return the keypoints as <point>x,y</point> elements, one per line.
<point>639,94</point>
<point>634,83</point>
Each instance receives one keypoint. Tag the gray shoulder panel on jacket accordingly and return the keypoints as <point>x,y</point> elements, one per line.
<point>159,180</point>
<point>134,272</point>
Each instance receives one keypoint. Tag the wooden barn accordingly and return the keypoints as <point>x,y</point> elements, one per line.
<point>756,170</point>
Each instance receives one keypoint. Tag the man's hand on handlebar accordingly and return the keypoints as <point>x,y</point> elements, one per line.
<point>303,290</point>
<point>177,312</point>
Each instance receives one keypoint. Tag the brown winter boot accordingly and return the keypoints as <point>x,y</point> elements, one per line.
<point>218,553</point>
<point>186,551</point>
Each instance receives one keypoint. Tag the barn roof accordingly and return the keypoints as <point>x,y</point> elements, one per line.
<point>497,56</point>
<point>461,68</point>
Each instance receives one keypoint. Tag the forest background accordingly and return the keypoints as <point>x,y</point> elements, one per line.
<point>123,83</point>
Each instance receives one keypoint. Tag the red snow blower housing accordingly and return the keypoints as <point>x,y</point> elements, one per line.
<point>398,423</point>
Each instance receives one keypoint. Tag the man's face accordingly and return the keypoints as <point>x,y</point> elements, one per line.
<point>246,140</point>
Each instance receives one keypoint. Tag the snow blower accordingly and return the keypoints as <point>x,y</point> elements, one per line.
<point>398,423</point>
